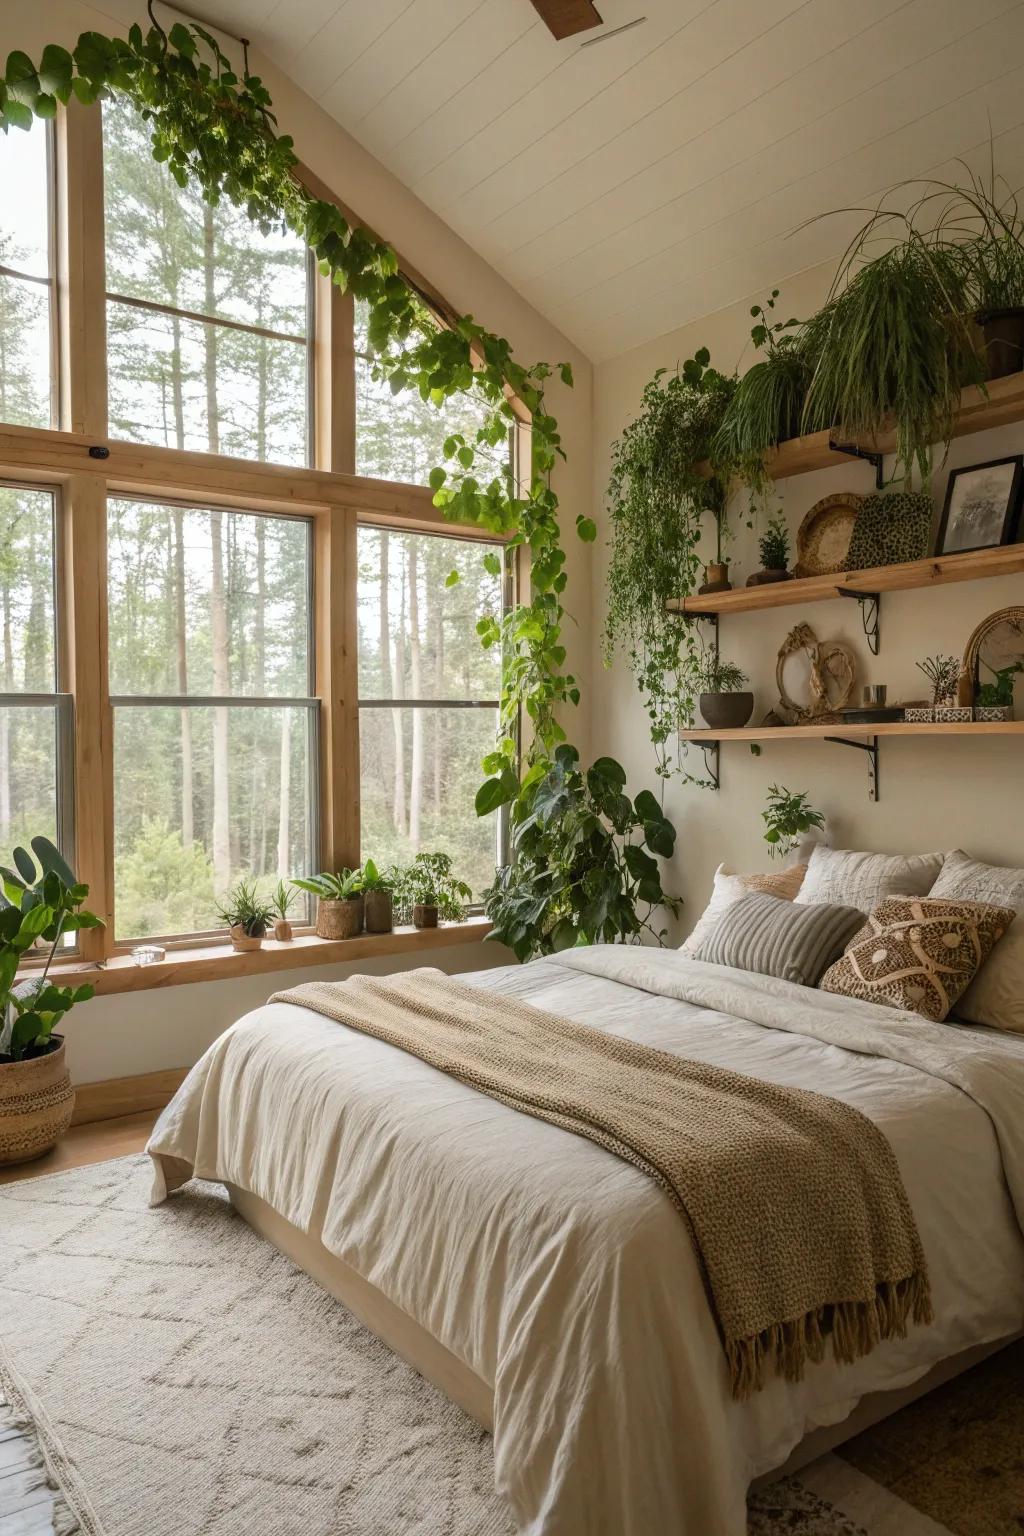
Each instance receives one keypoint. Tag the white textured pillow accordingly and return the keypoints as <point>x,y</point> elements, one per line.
<point>996,995</point>
<point>730,887</point>
<point>842,877</point>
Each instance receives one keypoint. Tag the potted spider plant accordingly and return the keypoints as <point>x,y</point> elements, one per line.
<point>280,903</point>
<point>378,895</point>
<point>724,701</point>
<point>339,910</point>
<point>428,888</point>
<point>246,915</point>
<point>36,1096</point>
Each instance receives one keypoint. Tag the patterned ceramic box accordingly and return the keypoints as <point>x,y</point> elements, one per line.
<point>993,712</point>
<point>919,716</point>
<point>954,714</point>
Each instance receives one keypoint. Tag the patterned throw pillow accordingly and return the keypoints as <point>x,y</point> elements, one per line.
<point>919,955</point>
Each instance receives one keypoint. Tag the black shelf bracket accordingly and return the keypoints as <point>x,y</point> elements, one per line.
<point>870,615</point>
<point>867,454</point>
<point>871,748</point>
<point>712,761</point>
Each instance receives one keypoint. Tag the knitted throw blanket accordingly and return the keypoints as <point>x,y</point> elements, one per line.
<point>794,1201</point>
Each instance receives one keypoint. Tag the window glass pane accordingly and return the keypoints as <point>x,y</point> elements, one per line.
<point>28,776</point>
<point>417,637</point>
<point>201,797</point>
<point>400,437</point>
<point>27,651</point>
<point>166,372</point>
<point>25,205</point>
<point>420,772</point>
<point>207,602</point>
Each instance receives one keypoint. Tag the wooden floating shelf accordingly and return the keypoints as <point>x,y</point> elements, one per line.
<point>860,730</point>
<point>937,570</point>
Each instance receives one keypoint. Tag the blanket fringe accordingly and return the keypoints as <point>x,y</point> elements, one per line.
<point>854,1327</point>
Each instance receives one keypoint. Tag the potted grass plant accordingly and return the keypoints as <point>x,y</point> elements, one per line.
<point>39,905</point>
<point>724,700</point>
<point>379,898</point>
<point>429,890</point>
<point>339,909</point>
<point>280,904</point>
<point>246,915</point>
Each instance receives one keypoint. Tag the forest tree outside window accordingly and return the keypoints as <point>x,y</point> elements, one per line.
<point>26,280</point>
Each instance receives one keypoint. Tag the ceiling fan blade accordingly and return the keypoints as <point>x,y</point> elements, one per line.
<point>564,18</point>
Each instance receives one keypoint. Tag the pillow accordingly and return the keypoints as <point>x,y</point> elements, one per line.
<point>919,955</point>
<point>996,995</point>
<point>865,879</point>
<point>774,937</point>
<point>729,887</point>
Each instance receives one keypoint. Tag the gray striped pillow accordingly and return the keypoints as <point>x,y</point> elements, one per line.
<point>771,937</point>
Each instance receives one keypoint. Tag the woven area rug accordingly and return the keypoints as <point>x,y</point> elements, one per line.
<point>167,1373</point>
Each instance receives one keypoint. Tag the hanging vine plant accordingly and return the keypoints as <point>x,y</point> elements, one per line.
<point>667,480</point>
<point>214,127</point>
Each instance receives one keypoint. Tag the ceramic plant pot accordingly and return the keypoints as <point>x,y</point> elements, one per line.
<point>424,916</point>
<point>36,1100</point>
<point>244,942</point>
<point>767,578</point>
<point>380,916</point>
<point>282,930</point>
<point>1003,330</point>
<point>716,577</point>
<point>339,919</point>
<point>726,711</point>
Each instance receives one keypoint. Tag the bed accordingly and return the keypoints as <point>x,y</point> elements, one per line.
<point>549,1287</point>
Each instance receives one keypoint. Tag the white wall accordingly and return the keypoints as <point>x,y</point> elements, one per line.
<point>122,1035</point>
<point>934,794</point>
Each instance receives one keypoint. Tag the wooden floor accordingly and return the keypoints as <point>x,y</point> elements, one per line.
<point>25,1508</point>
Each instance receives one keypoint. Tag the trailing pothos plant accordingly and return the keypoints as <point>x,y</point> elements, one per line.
<point>585,870</point>
<point>213,126</point>
<point>667,479</point>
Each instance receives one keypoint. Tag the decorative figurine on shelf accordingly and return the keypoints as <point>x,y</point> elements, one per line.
<point>831,674</point>
<point>943,674</point>
<point>774,548</point>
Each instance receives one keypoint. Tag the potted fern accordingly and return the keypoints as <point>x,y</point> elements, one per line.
<point>774,550</point>
<point>246,915</point>
<point>339,909</point>
<point>378,895</point>
<point>429,889</point>
<point>39,905</point>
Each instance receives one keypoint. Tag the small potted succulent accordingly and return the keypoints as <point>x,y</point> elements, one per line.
<point>428,888</point>
<point>36,1096</point>
<point>724,701</point>
<point>280,902</point>
<point>339,910</point>
<point>378,894</point>
<point>774,548</point>
<point>246,915</point>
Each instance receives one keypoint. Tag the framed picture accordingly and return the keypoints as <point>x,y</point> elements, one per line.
<point>981,506</point>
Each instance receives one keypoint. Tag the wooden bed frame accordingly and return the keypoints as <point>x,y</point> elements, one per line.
<point>463,1386</point>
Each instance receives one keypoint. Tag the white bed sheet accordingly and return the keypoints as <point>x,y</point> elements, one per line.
<point>563,1276</point>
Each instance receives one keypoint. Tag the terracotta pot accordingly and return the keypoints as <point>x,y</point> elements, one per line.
<point>36,1100</point>
<point>726,711</point>
<point>282,930</point>
<point>424,916</point>
<point>244,942</point>
<point>339,919</point>
<point>1003,330</point>
<point>716,577</point>
<point>380,913</point>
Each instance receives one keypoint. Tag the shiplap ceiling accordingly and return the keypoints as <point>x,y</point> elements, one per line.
<point>635,184</point>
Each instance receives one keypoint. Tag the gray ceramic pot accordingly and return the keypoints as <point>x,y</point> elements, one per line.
<point>726,711</point>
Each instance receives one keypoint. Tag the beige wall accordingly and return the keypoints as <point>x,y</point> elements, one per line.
<point>122,1035</point>
<point>934,794</point>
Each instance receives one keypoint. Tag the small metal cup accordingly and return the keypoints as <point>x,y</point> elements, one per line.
<point>873,695</point>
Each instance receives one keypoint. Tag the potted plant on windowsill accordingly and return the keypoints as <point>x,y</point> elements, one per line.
<point>36,1096</point>
<point>430,890</point>
<point>246,915</point>
<point>724,702</point>
<point>378,896</point>
<point>280,902</point>
<point>339,911</point>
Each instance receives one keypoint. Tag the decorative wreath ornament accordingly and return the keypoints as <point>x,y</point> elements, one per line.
<point>831,677</point>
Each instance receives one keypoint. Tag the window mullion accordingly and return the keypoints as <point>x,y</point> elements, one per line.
<point>81,282</point>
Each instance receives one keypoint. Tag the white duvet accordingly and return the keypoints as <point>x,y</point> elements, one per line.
<point>563,1276</point>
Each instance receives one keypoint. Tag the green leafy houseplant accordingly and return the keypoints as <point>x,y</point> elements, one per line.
<point>428,889</point>
<point>999,692</point>
<point>721,687</point>
<point>788,818</point>
<point>246,915</point>
<point>339,912</point>
<point>667,480</point>
<point>584,870</point>
<point>378,891</point>
<point>40,905</point>
<point>774,546</point>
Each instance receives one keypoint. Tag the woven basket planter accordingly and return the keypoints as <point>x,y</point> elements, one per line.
<point>36,1100</point>
<point>243,942</point>
<point>339,919</point>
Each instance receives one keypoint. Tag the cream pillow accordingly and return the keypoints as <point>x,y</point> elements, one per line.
<point>996,995</point>
<point>730,887</point>
<point>842,877</point>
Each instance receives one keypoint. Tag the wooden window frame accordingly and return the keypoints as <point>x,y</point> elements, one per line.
<point>84,466</point>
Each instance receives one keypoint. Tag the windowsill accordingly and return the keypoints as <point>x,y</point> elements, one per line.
<point>219,962</point>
